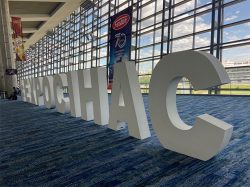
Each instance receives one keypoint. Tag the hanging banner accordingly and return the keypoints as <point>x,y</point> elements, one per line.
<point>18,38</point>
<point>120,40</point>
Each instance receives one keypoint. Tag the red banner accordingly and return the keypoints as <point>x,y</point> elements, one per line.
<point>18,38</point>
<point>17,27</point>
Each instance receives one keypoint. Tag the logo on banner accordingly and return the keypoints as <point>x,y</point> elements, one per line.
<point>120,40</point>
<point>121,22</point>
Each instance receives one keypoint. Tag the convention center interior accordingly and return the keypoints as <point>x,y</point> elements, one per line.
<point>125,93</point>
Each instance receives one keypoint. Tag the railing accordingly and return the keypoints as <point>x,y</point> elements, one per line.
<point>212,91</point>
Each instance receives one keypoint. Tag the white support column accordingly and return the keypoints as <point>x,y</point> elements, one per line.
<point>7,59</point>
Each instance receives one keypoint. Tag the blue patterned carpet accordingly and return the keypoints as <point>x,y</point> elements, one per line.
<point>40,147</point>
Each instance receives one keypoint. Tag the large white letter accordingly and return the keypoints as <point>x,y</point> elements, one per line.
<point>39,91</point>
<point>209,135</point>
<point>33,91</point>
<point>94,95</point>
<point>127,103</point>
<point>74,95</point>
<point>23,93</point>
<point>27,90</point>
<point>49,98</point>
<point>62,103</point>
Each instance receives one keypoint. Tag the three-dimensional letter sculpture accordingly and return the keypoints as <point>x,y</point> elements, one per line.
<point>209,135</point>
<point>127,103</point>
<point>48,88</point>
<point>62,103</point>
<point>88,98</point>
<point>39,91</point>
<point>74,94</point>
<point>93,95</point>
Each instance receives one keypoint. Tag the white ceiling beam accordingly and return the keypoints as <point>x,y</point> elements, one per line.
<point>40,0</point>
<point>29,30</point>
<point>65,10</point>
<point>32,17</point>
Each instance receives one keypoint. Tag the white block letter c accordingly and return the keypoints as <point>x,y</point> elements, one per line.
<point>209,135</point>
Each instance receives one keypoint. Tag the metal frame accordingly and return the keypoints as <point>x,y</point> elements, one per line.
<point>81,40</point>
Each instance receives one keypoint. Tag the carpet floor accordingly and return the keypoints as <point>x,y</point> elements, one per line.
<point>40,147</point>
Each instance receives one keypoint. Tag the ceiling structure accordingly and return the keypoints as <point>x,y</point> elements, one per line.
<point>40,16</point>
